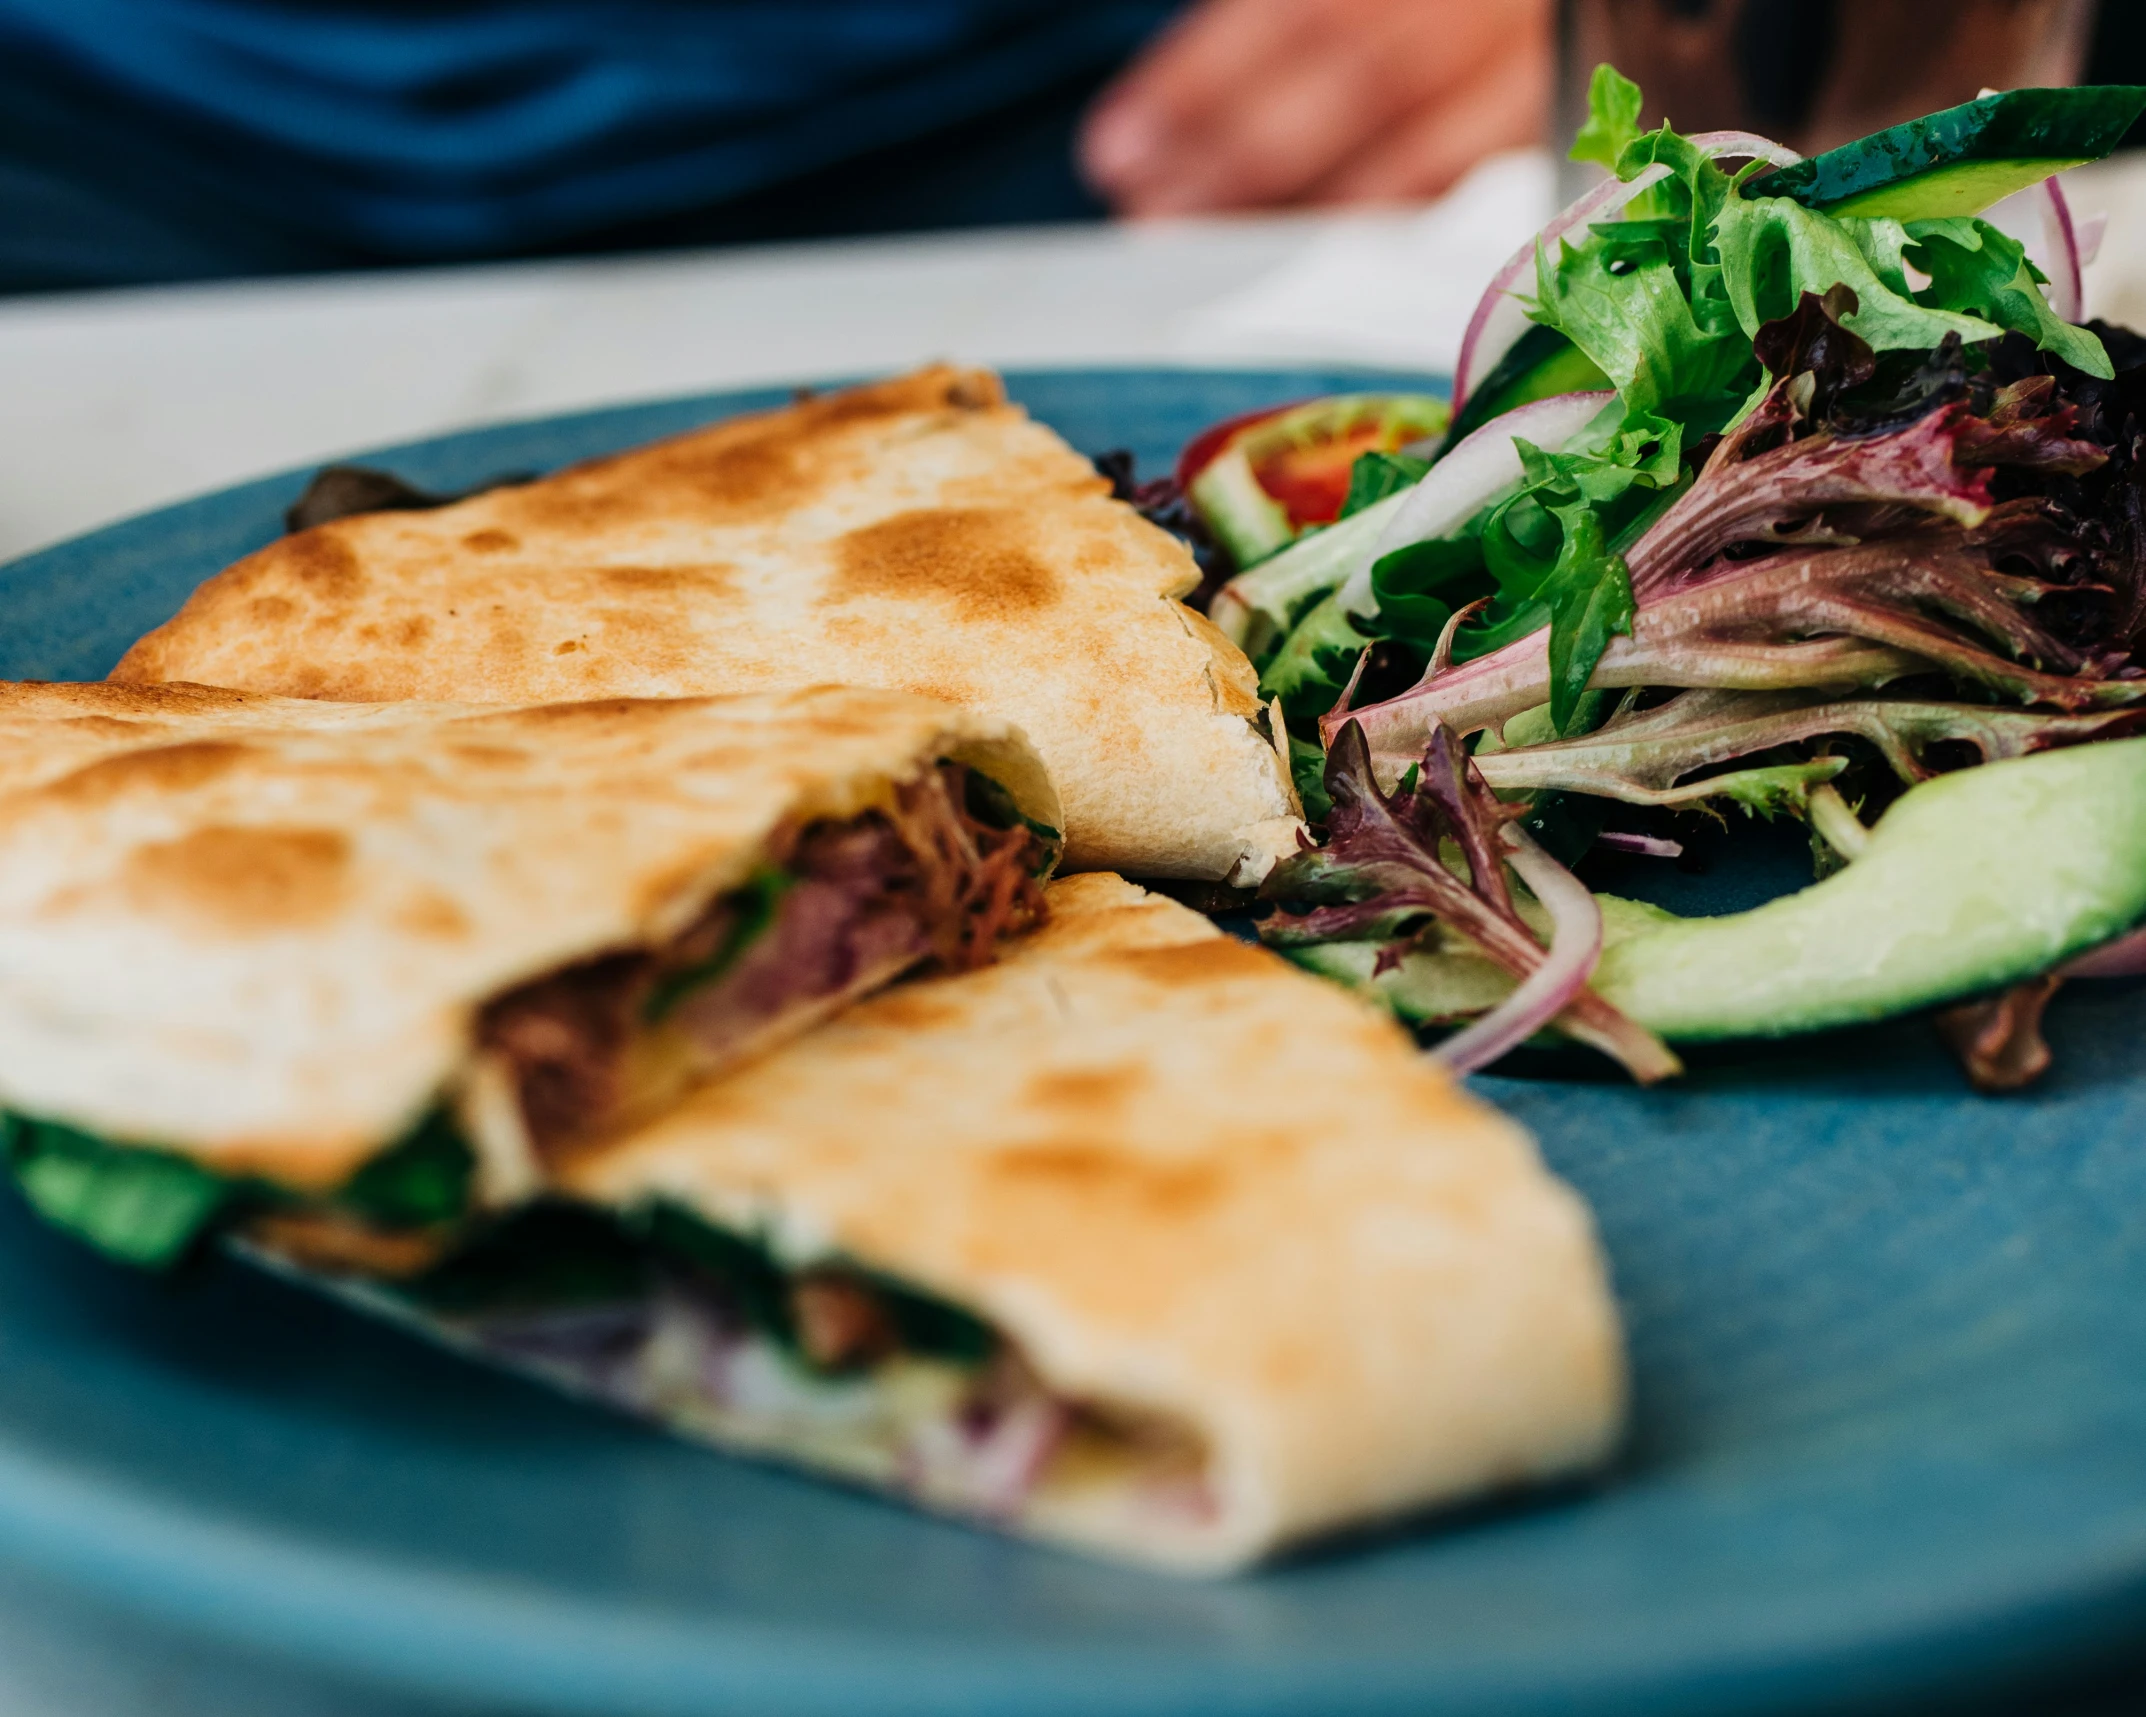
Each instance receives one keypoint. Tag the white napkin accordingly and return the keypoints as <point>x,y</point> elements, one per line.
<point>1385,287</point>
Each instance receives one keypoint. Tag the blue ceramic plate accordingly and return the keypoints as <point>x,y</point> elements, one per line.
<point>1890,1342</point>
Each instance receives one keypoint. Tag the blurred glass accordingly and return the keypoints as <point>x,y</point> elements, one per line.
<point>1813,73</point>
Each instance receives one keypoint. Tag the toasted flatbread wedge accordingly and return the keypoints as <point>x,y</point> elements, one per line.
<point>1140,1240</point>
<point>920,534</point>
<point>353,967</point>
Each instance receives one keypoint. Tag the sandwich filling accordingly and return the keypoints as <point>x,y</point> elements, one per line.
<point>942,870</point>
<point>825,1362</point>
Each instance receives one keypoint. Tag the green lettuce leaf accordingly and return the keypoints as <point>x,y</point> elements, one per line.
<point>1773,250</point>
<point>757,899</point>
<point>1643,297</point>
<point>1622,300</point>
<point>1555,552</point>
<point>1313,664</point>
<point>1976,270</point>
<point>1613,104</point>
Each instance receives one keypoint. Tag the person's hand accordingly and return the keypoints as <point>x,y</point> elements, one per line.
<point>1261,103</point>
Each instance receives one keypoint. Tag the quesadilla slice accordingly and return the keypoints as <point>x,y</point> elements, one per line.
<point>349,971</point>
<point>1139,1240</point>
<point>920,534</point>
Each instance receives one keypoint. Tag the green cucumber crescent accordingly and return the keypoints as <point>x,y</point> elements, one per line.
<point>1971,882</point>
<point>1961,161</point>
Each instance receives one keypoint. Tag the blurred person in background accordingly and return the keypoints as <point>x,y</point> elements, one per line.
<point>145,140</point>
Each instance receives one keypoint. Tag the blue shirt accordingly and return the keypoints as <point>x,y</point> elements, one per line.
<point>416,130</point>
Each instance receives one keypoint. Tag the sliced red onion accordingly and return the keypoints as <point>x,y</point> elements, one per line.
<point>1743,146</point>
<point>2123,958</point>
<point>2067,286</point>
<point>1499,320</point>
<point>1575,947</point>
<point>1647,846</point>
<point>2090,230</point>
<point>1475,473</point>
<point>1005,1462</point>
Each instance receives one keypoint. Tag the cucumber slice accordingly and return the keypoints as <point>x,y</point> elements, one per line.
<point>1541,364</point>
<point>1971,882</point>
<point>1256,610</point>
<point>1245,519</point>
<point>1962,188</point>
<point>1964,159</point>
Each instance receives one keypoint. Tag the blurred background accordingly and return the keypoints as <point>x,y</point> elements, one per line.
<point>241,235</point>
<point>159,140</point>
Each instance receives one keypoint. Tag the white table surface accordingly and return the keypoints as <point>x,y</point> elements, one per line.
<point>116,402</point>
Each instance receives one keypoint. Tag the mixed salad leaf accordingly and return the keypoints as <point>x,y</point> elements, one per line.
<point>1840,504</point>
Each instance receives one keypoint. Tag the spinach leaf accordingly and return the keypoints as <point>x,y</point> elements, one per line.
<point>543,1256</point>
<point>1419,586</point>
<point>1589,593</point>
<point>741,1268</point>
<point>1374,476</point>
<point>150,1207</point>
<point>990,803</point>
<point>141,1207</point>
<point>744,1271</point>
<point>422,1179</point>
<point>930,1326</point>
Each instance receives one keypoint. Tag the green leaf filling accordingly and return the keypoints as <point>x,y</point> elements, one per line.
<point>756,900</point>
<point>747,1274</point>
<point>545,1256</point>
<point>991,803</point>
<point>931,1326</point>
<point>142,1207</point>
<point>422,1180</point>
<point>150,1207</point>
<point>743,1268</point>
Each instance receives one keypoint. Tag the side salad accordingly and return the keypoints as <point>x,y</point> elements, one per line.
<point>1782,487</point>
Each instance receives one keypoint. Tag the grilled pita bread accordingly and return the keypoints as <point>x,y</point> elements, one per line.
<point>1245,1266</point>
<point>262,933</point>
<point>920,534</point>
